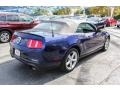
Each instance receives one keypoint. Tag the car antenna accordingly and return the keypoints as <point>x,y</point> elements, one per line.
<point>52,29</point>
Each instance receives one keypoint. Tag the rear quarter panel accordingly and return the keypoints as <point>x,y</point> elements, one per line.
<point>63,44</point>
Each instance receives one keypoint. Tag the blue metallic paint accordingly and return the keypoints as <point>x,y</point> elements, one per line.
<point>55,48</point>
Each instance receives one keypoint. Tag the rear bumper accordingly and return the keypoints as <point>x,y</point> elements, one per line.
<point>39,62</point>
<point>38,65</point>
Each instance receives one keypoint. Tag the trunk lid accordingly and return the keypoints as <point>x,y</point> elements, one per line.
<point>47,35</point>
<point>44,37</point>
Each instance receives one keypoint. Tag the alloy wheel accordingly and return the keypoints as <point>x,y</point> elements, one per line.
<point>107,44</point>
<point>71,60</point>
<point>4,37</point>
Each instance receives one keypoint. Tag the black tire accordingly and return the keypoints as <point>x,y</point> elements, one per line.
<point>63,66</point>
<point>8,36</point>
<point>107,41</point>
<point>117,26</point>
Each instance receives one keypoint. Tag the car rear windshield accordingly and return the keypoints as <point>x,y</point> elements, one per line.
<point>49,26</point>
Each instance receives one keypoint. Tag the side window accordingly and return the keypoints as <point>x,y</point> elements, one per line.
<point>80,27</point>
<point>24,18</point>
<point>2,18</point>
<point>89,28</point>
<point>85,27</point>
<point>12,18</point>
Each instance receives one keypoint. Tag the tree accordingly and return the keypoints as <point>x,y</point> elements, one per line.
<point>78,12</point>
<point>87,12</point>
<point>99,10</point>
<point>39,11</point>
<point>63,11</point>
<point>117,11</point>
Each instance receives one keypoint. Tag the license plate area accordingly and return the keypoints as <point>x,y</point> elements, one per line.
<point>17,52</point>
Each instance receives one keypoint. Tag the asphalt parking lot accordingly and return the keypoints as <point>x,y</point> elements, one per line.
<point>97,69</point>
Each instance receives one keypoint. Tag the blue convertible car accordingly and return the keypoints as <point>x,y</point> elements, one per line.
<point>58,43</point>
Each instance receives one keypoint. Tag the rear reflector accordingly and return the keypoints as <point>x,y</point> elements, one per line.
<point>34,43</point>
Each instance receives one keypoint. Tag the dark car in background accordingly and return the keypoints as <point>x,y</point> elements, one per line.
<point>58,43</point>
<point>97,21</point>
<point>10,22</point>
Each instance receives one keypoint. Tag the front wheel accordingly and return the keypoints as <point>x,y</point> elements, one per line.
<point>106,44</point>
<point>70,60</point>
<point>5,36</point>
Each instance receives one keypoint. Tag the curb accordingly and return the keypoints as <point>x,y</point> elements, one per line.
<point>4,56</point>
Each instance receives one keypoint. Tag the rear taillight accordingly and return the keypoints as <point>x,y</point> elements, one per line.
<point>34,43</point>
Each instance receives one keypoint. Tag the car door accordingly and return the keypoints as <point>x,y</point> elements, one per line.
<point>90,37</point>
<point>12,22</point>
<point>100,37</point>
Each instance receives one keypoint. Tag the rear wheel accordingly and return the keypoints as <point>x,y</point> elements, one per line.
<point>5,36</point>
<point>70,60</point>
